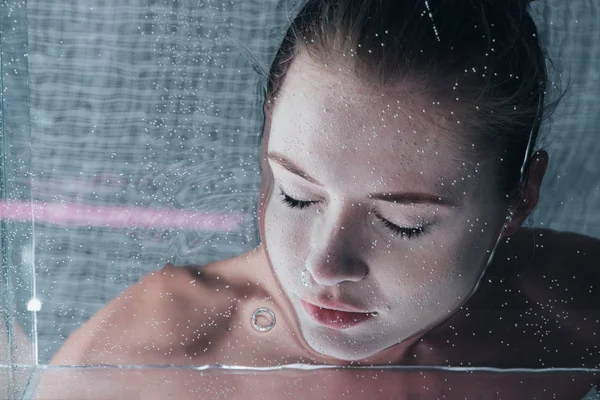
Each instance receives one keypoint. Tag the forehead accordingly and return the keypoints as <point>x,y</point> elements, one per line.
<point>329,91</point>
<point>328,122</point>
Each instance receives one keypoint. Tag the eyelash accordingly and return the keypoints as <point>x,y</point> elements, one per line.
<point>407,233</point>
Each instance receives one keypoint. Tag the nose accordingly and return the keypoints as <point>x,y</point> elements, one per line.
<point>333,257</point>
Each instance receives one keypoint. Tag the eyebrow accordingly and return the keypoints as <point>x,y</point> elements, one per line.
<point>406,198</point>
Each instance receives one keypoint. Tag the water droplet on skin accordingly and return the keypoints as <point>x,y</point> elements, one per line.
<point>304,278</point>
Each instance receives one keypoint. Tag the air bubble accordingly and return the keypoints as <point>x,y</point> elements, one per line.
<point>263,320</point>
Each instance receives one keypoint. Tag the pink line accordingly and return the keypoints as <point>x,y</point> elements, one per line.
<point>73,214</point>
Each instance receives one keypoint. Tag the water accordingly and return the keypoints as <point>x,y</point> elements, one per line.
<point>317,382</point>
<point>130,136</point>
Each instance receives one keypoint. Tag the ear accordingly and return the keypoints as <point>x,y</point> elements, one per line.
<point>529,193</point>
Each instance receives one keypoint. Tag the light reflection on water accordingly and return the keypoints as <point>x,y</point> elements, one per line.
<point>313,367</point>
<point>299,381</point>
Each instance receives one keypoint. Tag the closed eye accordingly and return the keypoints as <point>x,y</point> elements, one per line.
<point>405,232</point>
<point>293,203</point>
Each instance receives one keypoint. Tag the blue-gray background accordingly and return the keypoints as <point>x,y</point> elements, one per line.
<point>156,104</point>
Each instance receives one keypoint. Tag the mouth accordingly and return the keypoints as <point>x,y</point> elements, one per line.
<point>336,319</point>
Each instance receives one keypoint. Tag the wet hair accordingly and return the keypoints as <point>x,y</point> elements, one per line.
<point>487,53</point>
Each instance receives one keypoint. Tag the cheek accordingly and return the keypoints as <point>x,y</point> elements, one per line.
<point>280,224</point>
<point>441,267</point>
<point>285,236</point>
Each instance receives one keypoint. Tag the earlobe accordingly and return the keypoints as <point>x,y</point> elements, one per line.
<point>529,194</point>
<point>531,186</point>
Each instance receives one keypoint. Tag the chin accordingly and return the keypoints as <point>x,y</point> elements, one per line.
<point>339,344</point>
<point>344,351</point>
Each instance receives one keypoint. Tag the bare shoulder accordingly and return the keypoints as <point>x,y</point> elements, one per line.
<point>177,315</point>
<point>557,263</point>
<point>561,282</point>
<point>160,317</point>
<point>540,299</point>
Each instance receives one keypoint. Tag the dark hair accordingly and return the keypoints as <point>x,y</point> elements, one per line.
<point>485,51</point>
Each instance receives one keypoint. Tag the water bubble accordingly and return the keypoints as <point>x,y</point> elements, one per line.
<point>304,278</point>
<point>263,320</point>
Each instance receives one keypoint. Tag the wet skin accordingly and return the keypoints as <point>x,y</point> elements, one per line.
<point>537,307</point>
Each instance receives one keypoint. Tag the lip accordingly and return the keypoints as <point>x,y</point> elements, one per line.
<point>334,318</point>
<point>335,306</point>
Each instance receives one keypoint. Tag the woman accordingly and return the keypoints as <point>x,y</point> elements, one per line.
<point>397,171</point>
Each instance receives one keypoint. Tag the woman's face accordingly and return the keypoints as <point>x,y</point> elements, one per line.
<point>378,206</point>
